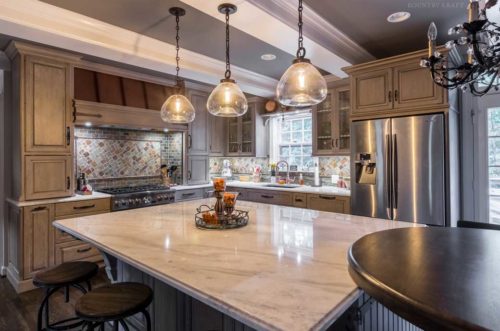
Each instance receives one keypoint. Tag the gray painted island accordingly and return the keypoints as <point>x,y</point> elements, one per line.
<point>286,270</point>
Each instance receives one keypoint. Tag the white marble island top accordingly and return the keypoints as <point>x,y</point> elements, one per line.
<point>286,270</point>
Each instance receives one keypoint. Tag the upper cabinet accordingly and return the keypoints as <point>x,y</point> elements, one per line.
<point>331,123</point>
<point>246,134</point>
<point>48,105</point>
<point>217,135</point>
<point>394,86</point>
<point>198,143</point>
<point>41,122</point>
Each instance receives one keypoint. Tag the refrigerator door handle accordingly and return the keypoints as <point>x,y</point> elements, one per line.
<point>395,173</point>
<point>387,174</point>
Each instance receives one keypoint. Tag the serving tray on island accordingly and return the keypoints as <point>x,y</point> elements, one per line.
<point>237,219</point>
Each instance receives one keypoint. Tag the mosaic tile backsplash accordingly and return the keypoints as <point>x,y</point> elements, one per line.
<point>118,157</point>
<point>328,166</point>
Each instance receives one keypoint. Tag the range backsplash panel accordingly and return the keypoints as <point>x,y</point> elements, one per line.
<point>118,157</point>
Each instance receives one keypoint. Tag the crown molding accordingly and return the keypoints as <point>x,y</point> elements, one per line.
<point>317,29</point>
<point>40,22</point>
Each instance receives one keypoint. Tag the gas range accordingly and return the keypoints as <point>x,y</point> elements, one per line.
<point>139,196</point>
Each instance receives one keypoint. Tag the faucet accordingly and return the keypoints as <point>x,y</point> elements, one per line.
<point>287,169</point>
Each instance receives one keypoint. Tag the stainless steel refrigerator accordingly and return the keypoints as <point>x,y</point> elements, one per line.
<point>398,169</point>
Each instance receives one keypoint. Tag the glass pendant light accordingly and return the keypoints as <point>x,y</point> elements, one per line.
<point>227,99</point>
<point>302,84</point>
<point>177,109</point>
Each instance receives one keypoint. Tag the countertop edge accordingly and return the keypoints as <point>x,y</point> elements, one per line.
<point>74,198</point>
<point>231,311</point>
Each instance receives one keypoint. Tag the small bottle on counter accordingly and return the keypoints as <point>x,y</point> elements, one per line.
<point>301,179</point>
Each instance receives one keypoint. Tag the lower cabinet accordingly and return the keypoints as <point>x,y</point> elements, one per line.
<point>34,244</point>
<point>38,239</point>
<point>330,203</point>
<point>191,194</point>
<point>321,202</point>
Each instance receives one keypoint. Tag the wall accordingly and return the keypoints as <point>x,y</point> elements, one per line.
<point>332,165</point>
<point>2,182</point>
<point>119,157</point>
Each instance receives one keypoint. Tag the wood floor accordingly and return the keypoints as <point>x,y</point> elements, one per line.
<point>18,312</point>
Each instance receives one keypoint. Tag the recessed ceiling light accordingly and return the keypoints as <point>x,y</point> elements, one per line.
<point>398,17</point>
<point>268,57</point>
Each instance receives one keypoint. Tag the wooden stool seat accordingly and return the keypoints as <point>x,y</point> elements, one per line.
<point>114,302</point>
<point>66,274</point>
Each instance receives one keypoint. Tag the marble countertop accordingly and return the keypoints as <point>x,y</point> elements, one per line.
<point>332,190</point>
<point>77,197</point>
<point>286,270</point>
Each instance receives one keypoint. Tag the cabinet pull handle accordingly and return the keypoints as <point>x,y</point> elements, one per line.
<point>188,194</point>
<point>68,183</point>
<point>83,250</point>
<point>326,197</point>
<point>83,207</point>
<point>68,135</point>
<point>299,200</point>
<point>189,174</point>
<point>40,208</point>
<point>396,95</point>
<point>190,141</point>
<point>267,196</point>
<point>390,96</point>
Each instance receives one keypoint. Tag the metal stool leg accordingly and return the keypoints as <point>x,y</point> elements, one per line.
<point>148,319</point>
<point>44,306</point>
<point>124,324</point>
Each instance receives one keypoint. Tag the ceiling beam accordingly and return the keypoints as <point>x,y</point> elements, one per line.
<point>50,25</point>
<point>258,22</point>
<point>316,28</point>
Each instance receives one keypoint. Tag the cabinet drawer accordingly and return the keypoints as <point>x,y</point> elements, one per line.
<point>273,197</point>
<point>87,207</point>
<point>300,200</point>
<point>76,251</point>
<point>244,194</point>
<point>185,195</point>
<point>61,236</point>
<point>330,203</point>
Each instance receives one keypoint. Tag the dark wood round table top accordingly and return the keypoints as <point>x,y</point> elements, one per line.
<point>436,278</point>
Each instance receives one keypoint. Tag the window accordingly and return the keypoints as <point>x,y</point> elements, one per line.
<point>494,163</point>
<point>292,141</point>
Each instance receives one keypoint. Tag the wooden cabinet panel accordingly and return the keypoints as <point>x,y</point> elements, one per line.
<point>134,93</point>
<point>76,251</point>
<point>243,194</point>
<point>216,134</point>
<point>48,106</point>
<point>300,200</point>
<point>413,87</point>
<point>48,176</point>
<point>155,95</point>
<point>86,207</point>
<point>38,238</point>
<point>109,88</point>
<point>198,170</point>
<point>272,197</point>
<point>85,85</point>
<point>372,90</point>
<point>198,138</point>
<point>246,135</point>
<point>329,203</point>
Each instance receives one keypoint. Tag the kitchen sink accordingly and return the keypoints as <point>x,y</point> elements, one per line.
<point>283,185</point>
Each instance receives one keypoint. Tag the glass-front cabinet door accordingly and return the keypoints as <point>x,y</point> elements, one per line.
<point>332,123</point>
<point>233,139</point>
<point>343,112</point>
<point>247,132</point>
<point>323,133</point>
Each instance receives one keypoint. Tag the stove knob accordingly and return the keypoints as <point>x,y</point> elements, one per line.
<point>147,200</point>
<point>137,201</point>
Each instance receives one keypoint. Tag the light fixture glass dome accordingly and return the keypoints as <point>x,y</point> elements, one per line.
<point>177,109</point>
<point>227,100</point>
<point>301,85</point>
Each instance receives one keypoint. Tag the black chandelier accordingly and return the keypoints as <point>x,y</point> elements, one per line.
<point>481,37</point>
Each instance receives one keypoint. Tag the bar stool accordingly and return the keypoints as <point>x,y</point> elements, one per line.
<point>65,275</point>
<point>114,303</point>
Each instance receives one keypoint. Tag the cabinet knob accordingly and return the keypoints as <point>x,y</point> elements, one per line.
<point>396,95</point>
<point>390,96</point>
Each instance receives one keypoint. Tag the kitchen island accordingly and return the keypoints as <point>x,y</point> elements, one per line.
<point>286,270</point>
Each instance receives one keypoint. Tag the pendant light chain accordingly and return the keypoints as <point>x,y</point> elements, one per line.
<point>227,74</point>
<point>301,51</point>
<point>177,58</point>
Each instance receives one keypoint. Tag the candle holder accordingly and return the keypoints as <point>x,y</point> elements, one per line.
<point>229,202</point>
